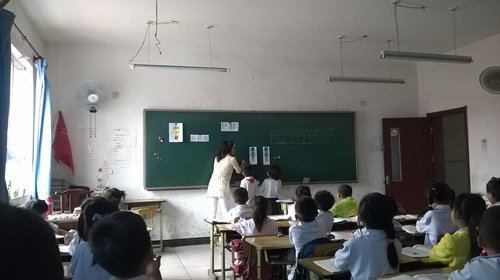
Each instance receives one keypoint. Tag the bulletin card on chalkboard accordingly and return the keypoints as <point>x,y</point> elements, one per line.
<point>317,145</point>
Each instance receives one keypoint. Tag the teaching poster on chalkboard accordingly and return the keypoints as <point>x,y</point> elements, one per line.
<point>317,145</point>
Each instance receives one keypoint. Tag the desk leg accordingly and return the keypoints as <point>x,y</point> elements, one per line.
<point>212,249</point>
<point>259,264</point>
<point>223,256</point>
<point>161,229</point>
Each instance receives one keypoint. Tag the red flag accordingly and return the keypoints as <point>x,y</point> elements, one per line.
<point>61,146</point>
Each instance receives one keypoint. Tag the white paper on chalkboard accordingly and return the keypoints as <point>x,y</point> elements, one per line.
<point>230,126</point>
<point>195,138</point>
<point>204,138</point>
<point>175,132</point>
<point>252,154</point>
<point>266,155</point>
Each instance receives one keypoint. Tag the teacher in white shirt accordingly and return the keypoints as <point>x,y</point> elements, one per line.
<point>218,187</point>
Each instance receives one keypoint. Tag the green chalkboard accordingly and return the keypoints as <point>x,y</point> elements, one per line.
<point>319,145</point>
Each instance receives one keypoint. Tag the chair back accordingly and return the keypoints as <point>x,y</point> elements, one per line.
<point>147,213</point>
<point>71,198</point>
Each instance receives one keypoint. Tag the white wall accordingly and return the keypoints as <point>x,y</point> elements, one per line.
<point>445,86</point>
<point>281,84</point>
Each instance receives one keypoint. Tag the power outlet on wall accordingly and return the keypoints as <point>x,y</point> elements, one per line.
<point>116,95</point>
<point>484,143</point>
<point>364,103</point>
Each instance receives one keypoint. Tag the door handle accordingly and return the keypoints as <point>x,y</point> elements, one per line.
<point>387,179</point>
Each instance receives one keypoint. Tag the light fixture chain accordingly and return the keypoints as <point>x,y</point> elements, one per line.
<point>156,30</point>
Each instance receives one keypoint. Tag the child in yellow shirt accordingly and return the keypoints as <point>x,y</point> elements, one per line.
<point>347,206</point>
<point>456,249</point>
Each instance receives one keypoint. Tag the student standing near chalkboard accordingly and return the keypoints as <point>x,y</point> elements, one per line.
<point>218,187</point>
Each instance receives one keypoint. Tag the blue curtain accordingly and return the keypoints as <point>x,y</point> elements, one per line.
<point>43,131</point>
<point>6,20</point>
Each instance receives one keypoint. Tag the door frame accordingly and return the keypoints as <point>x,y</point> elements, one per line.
<point>454,111</point>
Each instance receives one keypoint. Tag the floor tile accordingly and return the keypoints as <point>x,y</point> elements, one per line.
<point>175,274</point>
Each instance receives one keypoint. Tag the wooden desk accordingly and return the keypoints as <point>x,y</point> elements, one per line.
<point>326,274</point>
<point>213,235</point>
<point>64,221</point>
<point>264,243</point>
<point>130,203</point>
<point>285,203</point>
<point>416,272</point>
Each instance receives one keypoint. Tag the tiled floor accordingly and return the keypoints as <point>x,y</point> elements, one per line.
<point>189,262</point>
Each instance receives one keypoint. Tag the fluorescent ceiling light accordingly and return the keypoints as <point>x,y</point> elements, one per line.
<point>179,67</point>
<point>388,54</point>
<point>332,79</point>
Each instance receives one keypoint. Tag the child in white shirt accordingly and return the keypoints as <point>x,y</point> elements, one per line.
<point>324,201</point>
<point>259,224</point>
<point>307,229</point>
<point>241,210</point>
<point>436,222</point>
<point>373,251</point>
<point>300,191</point>
<point>484,267</point>
<point>270,189</point>
<point>249,183</point>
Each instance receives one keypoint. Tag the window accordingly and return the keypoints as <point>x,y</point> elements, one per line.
<point>18,173</point>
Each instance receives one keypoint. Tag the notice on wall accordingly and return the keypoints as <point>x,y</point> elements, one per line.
<point>266,155</point>
<point>175,132</point>
<point>230,126</point>
<point>252,152</point>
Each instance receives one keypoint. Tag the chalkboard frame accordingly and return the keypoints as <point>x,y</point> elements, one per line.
<point>356,180</point>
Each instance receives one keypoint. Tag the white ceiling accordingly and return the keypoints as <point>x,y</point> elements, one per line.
<point>264,25</point>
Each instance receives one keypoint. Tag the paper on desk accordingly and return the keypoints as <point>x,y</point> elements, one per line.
<point>342,235</point>
<point>412,229</point>
<point>64,248</point>
<point>279,217</point>
<point>406,217</point>
<point>327,265</point>
<point>285,201</point>
<point>434,276</point>
<point>417,251</point>
<point>340,220</point>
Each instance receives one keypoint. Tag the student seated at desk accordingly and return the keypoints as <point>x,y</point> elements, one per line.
<point>121,244</point>
<point>307,228</point>
<point>373,251</point>
<point>40,207</point>
<point>493,191</point>
<point>82,262</point>
<point>259,224</point>
<point>28,247</point>
<point>456,249</point>
<point>347,206</point>
<point>241,210</point>
<point>324,201</point>
<point>300,191</point>
<point>484,267</point>
<point>437,221</point>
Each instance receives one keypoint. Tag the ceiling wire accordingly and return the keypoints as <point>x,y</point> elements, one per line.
<point>210,45</point>
<point>342,40</point>
<point>454,28</point>
<point>407,5</point>
<point>142,44</point>
<point>156,29</point>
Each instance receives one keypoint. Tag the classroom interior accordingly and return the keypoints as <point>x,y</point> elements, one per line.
<point>280,54</point>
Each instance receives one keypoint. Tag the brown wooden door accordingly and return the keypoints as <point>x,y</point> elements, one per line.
<point>408,160</point>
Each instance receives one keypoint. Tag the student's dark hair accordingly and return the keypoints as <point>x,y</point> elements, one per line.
<point>440,193</point>
<point>274,171</point>
<point>28,247</point>
<point>301,191</point>
<point>259,207</point>
<point>489,228</point>
<point>306,209</point>
<point>120,244</point>
<point>224,149</point>
<point>324,200</point>
<point>37,205</point>
<point>493,187</point>
<point>345,191</point>
<point>94,211</point>
<point>469,208</point>
<point>376,212</point>
<point>80,227</point>
<point>240,196</point>
<point>114,195</point>
<point>247,170</point>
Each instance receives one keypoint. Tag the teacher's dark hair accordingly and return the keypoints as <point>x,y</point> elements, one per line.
<point>224,149</point>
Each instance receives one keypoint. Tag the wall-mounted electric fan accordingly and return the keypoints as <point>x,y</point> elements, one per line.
<point>490,79</point>
<point>91,95</point>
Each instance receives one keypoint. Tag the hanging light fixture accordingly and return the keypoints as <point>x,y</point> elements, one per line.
<point>342,78</point>
<point>434,57</point>
<point>133,65</point>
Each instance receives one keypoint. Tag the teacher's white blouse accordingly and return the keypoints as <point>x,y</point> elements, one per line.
<point>219,182</point>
